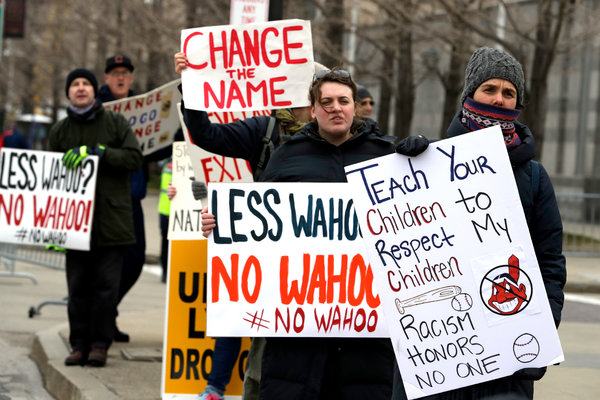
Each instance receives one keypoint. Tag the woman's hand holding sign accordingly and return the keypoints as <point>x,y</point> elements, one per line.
<point>208,222</point>
<point>181,62</point>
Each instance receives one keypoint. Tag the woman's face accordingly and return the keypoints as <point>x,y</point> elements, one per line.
<point>497,92</point>
<point>334,112</point>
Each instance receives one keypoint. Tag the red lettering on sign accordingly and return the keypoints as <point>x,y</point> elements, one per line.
<point>250,49</point>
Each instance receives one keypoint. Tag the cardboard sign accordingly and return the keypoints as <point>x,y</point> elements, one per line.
<point>454,264</point>
<point>286,259</point>
<point>209,167</point>
<point>42,202</point>
<point>184,218</point>
<point>248,11</point>
<point>152,116</point>
<point>188,351</point>
<point>247,67</point>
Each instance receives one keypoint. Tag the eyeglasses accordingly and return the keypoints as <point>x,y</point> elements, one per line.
<point>340,73</point>
<point>117,74</point>
<point>365,102</point>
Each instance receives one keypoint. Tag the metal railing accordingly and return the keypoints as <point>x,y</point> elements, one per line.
<point>580,213</point>
<point>11,253</point>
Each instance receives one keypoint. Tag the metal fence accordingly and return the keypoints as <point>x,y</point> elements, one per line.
<point>11,253</point>
<point>580,214</point>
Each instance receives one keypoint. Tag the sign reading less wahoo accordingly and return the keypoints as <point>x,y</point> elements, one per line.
<point>42,202</point>
<point>288,260</point>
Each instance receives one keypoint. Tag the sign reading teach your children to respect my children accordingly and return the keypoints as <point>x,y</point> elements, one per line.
<point>256,66</point>
<point>454,264</point>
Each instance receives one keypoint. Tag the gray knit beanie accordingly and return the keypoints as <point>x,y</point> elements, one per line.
<point>487,63</point>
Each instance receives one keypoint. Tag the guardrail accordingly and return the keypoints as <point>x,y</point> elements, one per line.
<point>10,253</point>
<point>580,213</point>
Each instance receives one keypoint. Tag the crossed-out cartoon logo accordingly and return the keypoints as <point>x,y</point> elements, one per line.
<point>506,289</point>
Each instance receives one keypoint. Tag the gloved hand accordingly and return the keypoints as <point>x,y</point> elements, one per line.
<point>531,374</point>
<point>73,157</point>
<point>412,146</point>
<point>54,247</point>
<point>199,189</point>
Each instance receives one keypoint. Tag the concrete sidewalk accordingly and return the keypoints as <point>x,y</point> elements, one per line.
<point>133,369</point>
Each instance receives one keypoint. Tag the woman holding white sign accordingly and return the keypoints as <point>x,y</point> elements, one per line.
<point>493,95</point>
<point>332,368</point>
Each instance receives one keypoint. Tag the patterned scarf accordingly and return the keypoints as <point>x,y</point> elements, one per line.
<point>476,115</point>
<point>288,122</point>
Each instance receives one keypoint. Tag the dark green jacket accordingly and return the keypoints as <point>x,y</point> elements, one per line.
<point>113,219</point>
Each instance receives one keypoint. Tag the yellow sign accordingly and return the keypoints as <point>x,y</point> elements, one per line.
<point>188,352</point>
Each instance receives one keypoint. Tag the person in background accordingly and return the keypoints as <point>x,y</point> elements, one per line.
<point>93,276</point>
<point>253,139</point>
<point>365,103</point>
<point>118,78</point>
<point>493,92</point>
<point>14,139</point>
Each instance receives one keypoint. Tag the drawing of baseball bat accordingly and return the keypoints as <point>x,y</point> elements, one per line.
<point>443,293</point>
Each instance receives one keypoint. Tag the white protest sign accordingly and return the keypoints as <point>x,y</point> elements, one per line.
<point>42,202</point>
<point>286,259</point>
<point>248,11</point>
<point>152,116</point>
<point>247,67</point>
<point>454,264</point>
<point>184,217</point>
<point>210,167</point>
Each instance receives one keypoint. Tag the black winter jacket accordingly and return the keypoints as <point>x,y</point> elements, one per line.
<point>307,157</point>
<point>541,212</point>
<point>325,368</point>
<point>112,224</point>
<point>239,139</point>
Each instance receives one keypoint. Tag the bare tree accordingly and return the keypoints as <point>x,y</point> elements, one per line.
<point>543,39</point>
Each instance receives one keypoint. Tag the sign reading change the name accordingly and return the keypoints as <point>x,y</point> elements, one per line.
<point>454,264</point>
<point>256,66</point>
<point>286,259</point>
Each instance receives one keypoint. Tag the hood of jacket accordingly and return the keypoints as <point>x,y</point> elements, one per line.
<point>518,155</point>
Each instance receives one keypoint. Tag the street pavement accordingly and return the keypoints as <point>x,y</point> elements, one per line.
<point>133,370</point>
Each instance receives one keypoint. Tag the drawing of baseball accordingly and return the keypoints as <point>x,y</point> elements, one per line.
<point>462,302</point>
<point>526,348</point>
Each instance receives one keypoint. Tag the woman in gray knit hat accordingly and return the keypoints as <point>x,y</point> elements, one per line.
<point>493,94</point>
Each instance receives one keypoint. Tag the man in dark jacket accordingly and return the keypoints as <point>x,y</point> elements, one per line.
<point>118,78</point>
<point>93,276</point>
<point>493,95</point>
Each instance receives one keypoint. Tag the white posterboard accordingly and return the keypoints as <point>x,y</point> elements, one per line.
<point>454,264</point>
<point>184,218</point>
<point>248,11</point>
<point>42,202</point>
<point>209,167</point>
<point>286,259</point>
<point>151,115</point>
<point>247,67</point>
